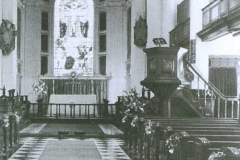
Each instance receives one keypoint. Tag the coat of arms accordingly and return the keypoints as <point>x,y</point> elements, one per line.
<point>140,32</point>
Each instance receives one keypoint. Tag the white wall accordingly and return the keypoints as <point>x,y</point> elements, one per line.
<point>196,26</point>
<point>138,57</point>
<point>9,62</point>
<point>1,64</point>
<point>32,47</point>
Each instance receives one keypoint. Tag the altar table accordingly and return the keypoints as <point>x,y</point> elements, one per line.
<point>71,100</point>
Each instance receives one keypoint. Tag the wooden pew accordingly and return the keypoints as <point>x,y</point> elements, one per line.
<point>187,147</point>
<point>204,148</point>
<point>214,129</point>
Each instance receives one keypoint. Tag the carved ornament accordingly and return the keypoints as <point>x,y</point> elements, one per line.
<point>140,32</point>
<point>7,37</point>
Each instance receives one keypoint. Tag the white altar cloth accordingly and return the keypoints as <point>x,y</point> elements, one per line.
<point>73,99</point>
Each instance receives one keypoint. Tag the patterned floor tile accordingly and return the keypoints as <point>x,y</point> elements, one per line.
<point>110,149</point>
<point>32,148</point>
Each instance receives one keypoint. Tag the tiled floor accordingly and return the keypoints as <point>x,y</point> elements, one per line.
<point>33,147</point>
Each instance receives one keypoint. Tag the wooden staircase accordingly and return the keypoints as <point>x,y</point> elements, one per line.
<point>207,101</point>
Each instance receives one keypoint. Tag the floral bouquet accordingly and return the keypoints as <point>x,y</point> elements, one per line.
<point>39,88</point>
<point>133,106</point>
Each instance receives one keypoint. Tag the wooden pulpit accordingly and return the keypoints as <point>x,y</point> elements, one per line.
<point>162,72</point>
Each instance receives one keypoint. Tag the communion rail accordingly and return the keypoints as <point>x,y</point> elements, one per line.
<point>73,111</point>
<point>223,106</point>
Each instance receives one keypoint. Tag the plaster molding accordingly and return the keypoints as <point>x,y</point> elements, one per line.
<point>111,3</point>
<point>36,3</point>
<point>20,4</point>
<point>126,4</point>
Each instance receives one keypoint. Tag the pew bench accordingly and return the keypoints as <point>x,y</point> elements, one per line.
<point>199,148</point>
<point>203,148</point>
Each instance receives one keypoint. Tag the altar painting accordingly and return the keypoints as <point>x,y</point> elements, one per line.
<point>73,37</point>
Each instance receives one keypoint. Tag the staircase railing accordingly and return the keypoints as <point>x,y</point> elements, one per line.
<point>221,106</point>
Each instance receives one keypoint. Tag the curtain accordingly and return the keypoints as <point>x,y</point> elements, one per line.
<point>79,86</point>
<point>225,79</point>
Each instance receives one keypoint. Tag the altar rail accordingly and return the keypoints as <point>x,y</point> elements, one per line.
<point>74,111</point>
<point>97,85</point>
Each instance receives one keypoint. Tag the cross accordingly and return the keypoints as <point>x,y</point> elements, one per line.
<point>73,84</point>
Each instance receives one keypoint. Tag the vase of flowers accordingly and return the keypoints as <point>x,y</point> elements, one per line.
<point>40,89</point>
<point>133,106</point>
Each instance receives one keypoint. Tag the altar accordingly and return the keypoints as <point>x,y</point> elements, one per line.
<point>66,105</point>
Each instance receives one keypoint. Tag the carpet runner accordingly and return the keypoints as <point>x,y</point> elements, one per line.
<point>70,150</point>
<point>110,129</point>
<point>33,128</point>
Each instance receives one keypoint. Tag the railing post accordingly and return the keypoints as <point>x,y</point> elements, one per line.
<point>141,132</point>
<point>148,146</point>
<point>239,110</point>
<point>56,111</point>
<point>105,111</point>
<point>15,140</point>
<point>225,109</point>
<point>5,138</point>
<point>219,107</point>
<point>126,131</point>
<point>157,140</point>
<point>198,94</point>
<point>135,140</point>
<point>88,112</point>
<point>10,130</point>
<point>212,104</point>
<point>40,107</point>
<point>118,115</point>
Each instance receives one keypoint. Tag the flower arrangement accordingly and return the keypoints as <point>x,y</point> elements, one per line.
<point>6,121</point>
<point>39,88</point>
<point>173,140</point>
<point>216,156</point>
<point>148,127</point>
<point>133,106</point>
<point>17,118</point>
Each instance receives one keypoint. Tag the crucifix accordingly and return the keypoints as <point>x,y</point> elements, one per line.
<point>73,76</point>
<point>73,83</point>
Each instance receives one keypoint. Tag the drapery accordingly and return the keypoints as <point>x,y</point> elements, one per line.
<point>225,79</point>
<point>79,86</point>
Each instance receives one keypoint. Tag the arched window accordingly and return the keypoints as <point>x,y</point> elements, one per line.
<point>73,37</point>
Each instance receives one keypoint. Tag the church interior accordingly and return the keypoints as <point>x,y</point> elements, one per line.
<point>119,79</point>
